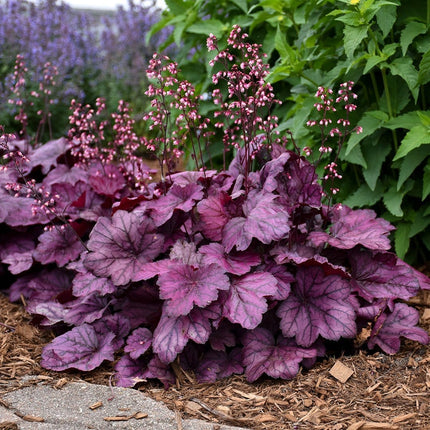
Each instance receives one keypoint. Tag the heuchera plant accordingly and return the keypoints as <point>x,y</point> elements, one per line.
<point>250,269</point>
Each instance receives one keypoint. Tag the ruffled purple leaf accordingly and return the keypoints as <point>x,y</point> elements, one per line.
<point>129,371</point>
<point>116,324</point>
<point>318,305</point>
<point>17,251</point>
<point>58,245</point>
<point>355,227</point>
<point>186,253</point>
<point>264,220</point>
<point>179,198</point>
<point>47,154</point>
<point>19,261</point>
<point>389,327</point>
<point>20,211</point>
<point>377,275</point>
<point>138,342</point>
<point>245,302</point>
<point>106,179</point>
<point>42,286</point>
<point>237,263</point>
<point>214,215</point>
<point>219,364</point>
<point>52,312</point>
<point>80,348</point>
<point>86,309</point>
<point>283,277</point>
<point>86,283</point>
<point>121,246</point>
<point>62,174</point>
<point>223,337</point>
<point>199,286</point>
<point>158,370</point>
<point>261,355</point>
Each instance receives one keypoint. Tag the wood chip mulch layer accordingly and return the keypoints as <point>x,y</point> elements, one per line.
<point>364,391</point>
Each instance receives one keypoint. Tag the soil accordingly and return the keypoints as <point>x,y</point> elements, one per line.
<point>367,390</point>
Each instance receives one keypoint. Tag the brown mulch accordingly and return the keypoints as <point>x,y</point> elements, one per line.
<point>360,392</point>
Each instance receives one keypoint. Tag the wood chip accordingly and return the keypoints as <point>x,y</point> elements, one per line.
<point>140,415</point>
<point>265,418</point>
<point>341,372</point>
<point>33,419</point>
<point>96,405</point>
<point>192,406</point>
<point>402,418</point>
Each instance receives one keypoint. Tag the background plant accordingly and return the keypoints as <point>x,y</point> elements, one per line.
<point>382,46</point>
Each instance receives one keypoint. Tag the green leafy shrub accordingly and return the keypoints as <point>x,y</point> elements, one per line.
<point>382,45</point>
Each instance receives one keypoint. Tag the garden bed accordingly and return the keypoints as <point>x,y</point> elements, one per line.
<point>383,392</point>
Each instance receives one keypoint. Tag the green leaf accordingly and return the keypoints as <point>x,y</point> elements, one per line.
<point>242,4</point>
<point>386,17</point>
<point>354,156</point>
<point>208,26</point>
<point>375,155</point>
<point>277,5</point>
<point>364,196</point>
<point>424,69</point>
<point>426,181</point>
<point>353,36</point>
<point>370,122</point>
<point>372,61</point>
<point>424,118</point>
<point>419,223</point>
<point>404,68</point>
<point>417,136</point>
<point>401,239</point>
<point>407,121</point>
<point>411,162</point>
<point>178,7</point>
<point>409,33</point>
<point>287,53</point>
<point>393,201</point>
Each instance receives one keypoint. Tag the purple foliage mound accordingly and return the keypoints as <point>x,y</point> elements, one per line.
<point>243,270</point>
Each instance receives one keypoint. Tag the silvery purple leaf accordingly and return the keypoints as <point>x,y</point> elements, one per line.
<point>218,364</point>
<point>389,327</point>
<point>317,306</point>
<point>223,337</point>
<point>199,286</point>
<point>86,309</point>
<point>129,371</point>
<point>86,283</point>
<point>121,246</point>
<point>52,311</point>
<point>245,303</point>
<point>355,227</point>
<point>261,355</point>
<point>106,179</point>
<point>19,261</point>
<point>186,253</point>
<point>182,198</point>
<point>41,286</point>
<point>235,262</point>
<point>138,342</point>
<point>116,324</point>
<point>59,245</point>
<point>191,177</point>
<point>214,215</point>
<point>47,154</point>
<point>376,275</point>
<point>264,220</point>
<point>283,277</point>
<point>20,211</point>
<point>62,174</point>
<point>80,348</point>
<point>16,250</point>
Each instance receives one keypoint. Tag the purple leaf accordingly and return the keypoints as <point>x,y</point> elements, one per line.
<point>116,324</point>
<point>138,342</point>
<point>198,286</point>
<point>17,251</point>
<point>214,215</point>
<point>80,348</point>
<point>186,253</point>
<point>52,312</point>
<point>264,220</point>
<point>377,275</point>
<point>20,211</point>
<point>59,245</point>
<point>401,322</point>
<point>245,303</point>
<point>86,309</point>
<point>355,227</point>
<point>106,179</point>
<point>86,283</point>
<point>222,338</point>
<point>19,261</point>
<point>182,198</point>
<point>284,279</point>
<point>318,305</point>
<point>161,371</point>
<point>47,154</point>
<point>129,371</point>
<point>62,174</point>
<point>237,263</point>
<point>121,246</point>
<point>261,355</point>
<point>218,364</point>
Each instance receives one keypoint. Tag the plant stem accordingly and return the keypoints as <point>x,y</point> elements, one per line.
<point>389,106</point>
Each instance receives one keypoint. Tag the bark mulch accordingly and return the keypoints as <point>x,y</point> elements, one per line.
<point>364,391</point>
